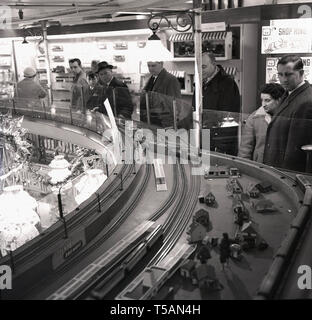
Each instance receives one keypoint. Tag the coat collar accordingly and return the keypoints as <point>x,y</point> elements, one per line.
<point>261,113</point>
<point>289,99</point>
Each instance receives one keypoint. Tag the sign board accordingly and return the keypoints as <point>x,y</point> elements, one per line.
<point>287,36</point>
<point>68,248</point>
<point>212,27</point>
<point>271,69</point>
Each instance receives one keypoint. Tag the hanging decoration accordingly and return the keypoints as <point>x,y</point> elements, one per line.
<point>15,147</point>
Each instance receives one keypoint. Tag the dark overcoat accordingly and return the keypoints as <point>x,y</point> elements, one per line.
<point>221,93</point>
<point>289,130</point>
<point>117,93</point>
<point>165,89</point>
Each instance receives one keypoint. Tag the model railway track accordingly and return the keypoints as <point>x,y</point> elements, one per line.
<point>105,280</point>
<point>126,211</point>
<point>146,234</point>
<point>181,213</point>
<point>109,231</point>
<point>79,218</point>
<point>179,218</point>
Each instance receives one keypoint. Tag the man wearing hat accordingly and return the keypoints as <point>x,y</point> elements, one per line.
<point>29,88</point>
<point>114,90</point>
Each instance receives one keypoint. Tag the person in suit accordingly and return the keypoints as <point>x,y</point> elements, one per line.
<point>291,125</point>
<point>80,86</point>
<point>162,88</point>
<point>115,90</point>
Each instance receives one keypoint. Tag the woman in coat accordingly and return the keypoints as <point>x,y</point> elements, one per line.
<point>254,131</point>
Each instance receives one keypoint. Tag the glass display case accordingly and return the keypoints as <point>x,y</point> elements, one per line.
<point>53,179</point>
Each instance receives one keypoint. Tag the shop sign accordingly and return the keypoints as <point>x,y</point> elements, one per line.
<point>287,36</point>
<point>271,69</point>
<point>213,27</point>
<point>68,248</point>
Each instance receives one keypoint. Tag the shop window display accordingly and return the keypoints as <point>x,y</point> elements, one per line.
<point>33,173</point>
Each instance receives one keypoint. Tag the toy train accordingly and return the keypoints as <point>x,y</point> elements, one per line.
<point>108,283</point>
<point>221,172</point>
<point>160,177</point>
<point>111,266</point>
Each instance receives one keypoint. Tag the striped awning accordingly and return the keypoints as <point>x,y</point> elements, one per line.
<point>230,70</point>
<point>179,37</point>
<point>177,74</point>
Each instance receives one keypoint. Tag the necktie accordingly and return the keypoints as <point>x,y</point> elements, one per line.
<point>151,83</point>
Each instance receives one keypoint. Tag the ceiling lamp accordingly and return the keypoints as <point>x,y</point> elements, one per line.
<point>24,41</point>
<point>155,50</point>
<point>21,14</point>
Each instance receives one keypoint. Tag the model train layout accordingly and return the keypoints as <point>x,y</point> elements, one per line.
<point>128,241</point>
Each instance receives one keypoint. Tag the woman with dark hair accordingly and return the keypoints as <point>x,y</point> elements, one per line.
<point>255,129</point>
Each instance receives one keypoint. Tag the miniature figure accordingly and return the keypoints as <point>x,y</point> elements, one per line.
<point>225,251</point>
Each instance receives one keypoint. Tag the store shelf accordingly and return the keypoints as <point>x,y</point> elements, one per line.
<point>192,59</point>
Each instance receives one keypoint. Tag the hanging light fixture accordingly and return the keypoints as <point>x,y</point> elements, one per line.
<point>24,41</point>
<point>155,50</point>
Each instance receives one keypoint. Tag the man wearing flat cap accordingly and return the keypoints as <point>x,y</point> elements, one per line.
<point>114,90</point>
<point>29,88</point>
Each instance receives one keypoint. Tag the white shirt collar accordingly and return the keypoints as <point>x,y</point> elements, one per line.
<point>298,86</point>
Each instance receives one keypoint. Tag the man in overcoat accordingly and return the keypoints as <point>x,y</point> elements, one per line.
<point>291,125</point>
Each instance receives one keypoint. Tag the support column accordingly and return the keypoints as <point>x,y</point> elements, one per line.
<point>45,41</point>
<point>197,114</point>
